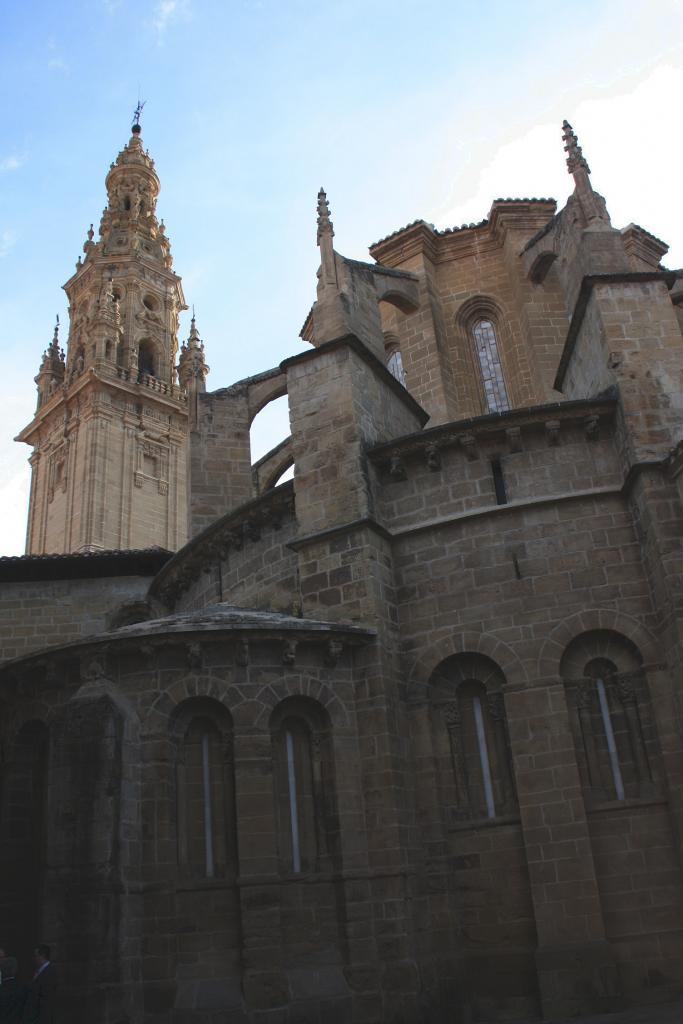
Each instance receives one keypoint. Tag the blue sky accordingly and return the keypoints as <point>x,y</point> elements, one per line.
<point>400,109</point>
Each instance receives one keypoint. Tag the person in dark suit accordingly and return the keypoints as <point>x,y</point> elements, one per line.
<point>12,993</point>
<point>40,1005</point>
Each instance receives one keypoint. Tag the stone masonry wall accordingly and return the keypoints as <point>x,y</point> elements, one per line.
<point>47,613</point>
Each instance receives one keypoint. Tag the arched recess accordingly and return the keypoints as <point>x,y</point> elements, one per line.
<point>200,858</point>
<point>201,735</point>
<point>459,643</point>
<point>470,738</point>
<point>304,787</point>
<point>148,359</point>
<point>553,650</point>
<point>484,332</point>
<point>611,717</point>
<point>23,835</point>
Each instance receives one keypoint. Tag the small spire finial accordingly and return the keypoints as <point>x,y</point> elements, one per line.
<point>575,158</point>
<point>325,226</point>
<point>136,117</point>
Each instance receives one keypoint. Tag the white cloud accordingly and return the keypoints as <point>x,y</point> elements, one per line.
<point>58,64</point>
<point>7,242</point>
<point>166,12</point>
<point>11,163</point>
<point>628,140</point>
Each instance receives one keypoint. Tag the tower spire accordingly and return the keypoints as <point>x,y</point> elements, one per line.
<point>592,204</point>
<point>136,127</point>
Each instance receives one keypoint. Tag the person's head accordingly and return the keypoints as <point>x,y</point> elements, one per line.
<point>41,954</point>
<point>8,966</point>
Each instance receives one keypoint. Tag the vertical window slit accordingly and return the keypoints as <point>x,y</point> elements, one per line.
<point>499,482</point>
<point>611,744</point>
<point>293,809</point>
<point>208,817</point>
<point>484,757</point>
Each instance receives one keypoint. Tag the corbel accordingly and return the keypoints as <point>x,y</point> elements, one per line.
<point>396,468</point>
<point>289,652</point>
<point>514,439</point>
<point>333,652</point>
<point>591,428</point>
<point>468,443</point>
<point>552,432</point>
<point>433,457</point>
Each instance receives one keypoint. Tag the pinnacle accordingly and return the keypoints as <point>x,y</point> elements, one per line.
<point>325,226</point>
<point>575,157</point>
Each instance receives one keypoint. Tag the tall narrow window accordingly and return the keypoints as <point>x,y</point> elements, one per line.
<point>486,344</point>
<point>471,739</point>
<point>205,801</point>
<point>303,779</point>
<point>297,810</point>
<point>611,720</point>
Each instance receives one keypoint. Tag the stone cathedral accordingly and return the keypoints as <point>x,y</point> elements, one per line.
<point>400,739</point>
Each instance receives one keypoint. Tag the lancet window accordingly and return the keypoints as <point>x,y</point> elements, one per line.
<point>613,731</point>
<point>493,381</point>
<point>205,794</point>
<point>471,739</point>
<point>304,790</point>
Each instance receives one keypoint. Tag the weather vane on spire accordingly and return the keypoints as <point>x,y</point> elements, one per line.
<point>136,116</point>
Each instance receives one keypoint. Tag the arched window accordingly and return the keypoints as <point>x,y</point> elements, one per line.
<point>486,345</point>
<point>147,358</point>
<point>614,737</point>
<point>205,792</point>
<point>471,739</point>
<point>304,790</point>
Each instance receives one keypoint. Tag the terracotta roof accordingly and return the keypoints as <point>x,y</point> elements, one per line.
<point>461,227</point>
<point>82,565</point>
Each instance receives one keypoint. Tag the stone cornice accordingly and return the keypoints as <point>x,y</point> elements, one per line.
<point>216,624</point>
<point>421,238</point>
<point>459,432</point>
<point>90,380</point>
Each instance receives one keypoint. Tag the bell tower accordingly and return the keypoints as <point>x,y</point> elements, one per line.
<point>110,431</point>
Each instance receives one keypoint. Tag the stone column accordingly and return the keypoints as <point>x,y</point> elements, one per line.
<point>87,911</point>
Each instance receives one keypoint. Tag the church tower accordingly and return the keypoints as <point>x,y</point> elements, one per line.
<point>110,432</point>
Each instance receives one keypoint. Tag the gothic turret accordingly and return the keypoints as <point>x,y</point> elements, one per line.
<point>120,421</point>
<point>591,202</point>
<point>52,370</point>
<point>192,368</point>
